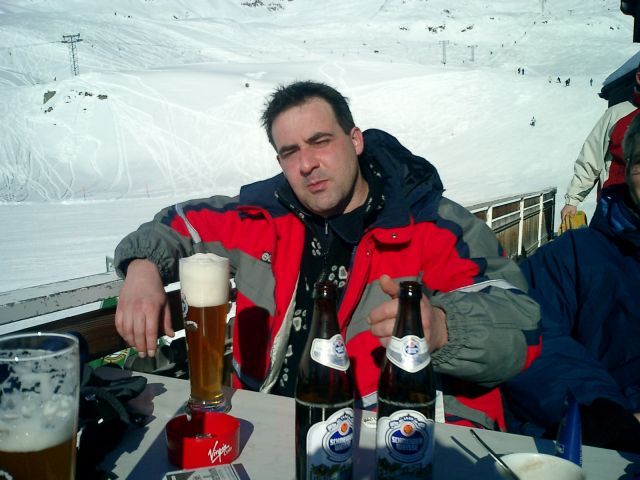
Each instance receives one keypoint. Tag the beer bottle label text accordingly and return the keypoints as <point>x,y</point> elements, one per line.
<point>410,353</point>
<point>405,442</point>
<point>329,446</point>
<point>331,353</point>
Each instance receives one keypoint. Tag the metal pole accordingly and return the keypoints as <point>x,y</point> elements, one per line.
<point>540,218</point>
<point>72,40</point>
<point>444,50</point>
<point>521,226</point>
<point>473,48</point>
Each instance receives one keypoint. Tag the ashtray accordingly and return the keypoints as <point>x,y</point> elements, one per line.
<point>202,439</point>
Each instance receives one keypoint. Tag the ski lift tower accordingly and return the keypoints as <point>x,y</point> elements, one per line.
<point>72,40</point>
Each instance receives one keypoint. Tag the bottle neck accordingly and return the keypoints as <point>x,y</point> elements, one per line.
<point>324,322</point>
<point>409,318</point>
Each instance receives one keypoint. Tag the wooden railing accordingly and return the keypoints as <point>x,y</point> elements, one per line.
<point>521,223</point>
<point>31,309</point>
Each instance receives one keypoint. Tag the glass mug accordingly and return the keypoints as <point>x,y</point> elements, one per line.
<point>39,394</point>
<point>204,285</point>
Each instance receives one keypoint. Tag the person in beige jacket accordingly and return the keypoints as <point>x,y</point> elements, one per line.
<point>601,151</point>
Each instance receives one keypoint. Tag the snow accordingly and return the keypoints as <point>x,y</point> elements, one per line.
<point>167,103</point>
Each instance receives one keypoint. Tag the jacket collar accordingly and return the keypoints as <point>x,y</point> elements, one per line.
<point>411,185</point>
<point>615,218</point>
<point>350,226</point>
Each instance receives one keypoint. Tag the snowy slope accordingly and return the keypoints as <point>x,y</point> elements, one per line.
<point>167,102</point>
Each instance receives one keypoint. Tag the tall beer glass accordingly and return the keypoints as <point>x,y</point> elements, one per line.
<point>39,388</point>
<point>204,282</point>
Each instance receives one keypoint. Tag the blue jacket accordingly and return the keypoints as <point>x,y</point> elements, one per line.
<point>588,285</point>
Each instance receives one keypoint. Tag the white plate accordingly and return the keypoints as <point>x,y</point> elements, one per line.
<point>538,466</point>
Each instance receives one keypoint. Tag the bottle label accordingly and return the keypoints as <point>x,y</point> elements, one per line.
<point>329,446</point>
<point>331,353</point>
<point>405,443</point>
<point>410,353</point>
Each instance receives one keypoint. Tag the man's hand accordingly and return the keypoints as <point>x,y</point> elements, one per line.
<point>568,211</point>
<point>382,318</point>
<point>142,306</point>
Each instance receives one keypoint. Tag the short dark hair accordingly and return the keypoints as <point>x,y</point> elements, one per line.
<point>297,93</point>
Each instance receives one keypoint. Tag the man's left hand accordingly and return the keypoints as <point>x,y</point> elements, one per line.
<point>382,318</point>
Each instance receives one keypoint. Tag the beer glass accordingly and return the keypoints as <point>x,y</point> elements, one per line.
<point>39,388</point>
<point>204,284</point>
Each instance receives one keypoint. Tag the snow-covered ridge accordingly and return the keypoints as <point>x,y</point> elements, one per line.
<point>184,82</point>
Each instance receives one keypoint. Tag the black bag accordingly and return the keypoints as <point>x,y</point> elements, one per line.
<point>103,419</point>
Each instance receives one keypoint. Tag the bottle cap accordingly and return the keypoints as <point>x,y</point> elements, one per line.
<point>203,439</point>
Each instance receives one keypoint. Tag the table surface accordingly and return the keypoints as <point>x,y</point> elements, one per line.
<point>267,441</point>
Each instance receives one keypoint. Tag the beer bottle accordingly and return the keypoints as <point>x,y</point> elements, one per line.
<point>406,396</point>
<point>324,396</point>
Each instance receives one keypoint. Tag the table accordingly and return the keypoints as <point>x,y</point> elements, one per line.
<point>267,443</point>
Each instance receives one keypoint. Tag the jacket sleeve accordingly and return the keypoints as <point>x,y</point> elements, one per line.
<point>492,323</point>
<point>590,164</point>
<point>167,238</point>
<point>537,394</point>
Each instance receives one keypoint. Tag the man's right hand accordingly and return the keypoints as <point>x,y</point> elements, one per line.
<point>142,306</point>
<point>568,211</point>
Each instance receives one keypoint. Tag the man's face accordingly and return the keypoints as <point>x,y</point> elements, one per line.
<point>318,159</point>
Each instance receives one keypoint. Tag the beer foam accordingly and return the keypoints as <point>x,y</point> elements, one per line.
<point>30,430</point>
<point>204,280</point>
<point>39,401</point>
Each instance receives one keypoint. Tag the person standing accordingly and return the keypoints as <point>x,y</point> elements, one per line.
<point>600,159</point>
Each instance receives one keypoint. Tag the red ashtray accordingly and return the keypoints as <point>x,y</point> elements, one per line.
<point>202,439</point>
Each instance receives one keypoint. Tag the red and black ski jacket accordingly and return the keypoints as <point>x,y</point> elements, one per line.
<point>419,235</point>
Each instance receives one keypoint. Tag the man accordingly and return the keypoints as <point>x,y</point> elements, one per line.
<point>363,211</point>
<point>600,160</point>
<point>587,283</point>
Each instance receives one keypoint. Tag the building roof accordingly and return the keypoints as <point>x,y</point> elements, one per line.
<point>618,86</point>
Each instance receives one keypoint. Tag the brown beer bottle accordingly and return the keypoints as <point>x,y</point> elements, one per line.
<point>406,396</point>
<point>324,396</point>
